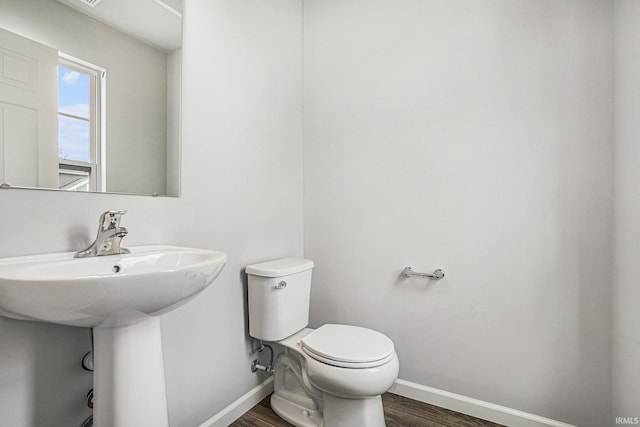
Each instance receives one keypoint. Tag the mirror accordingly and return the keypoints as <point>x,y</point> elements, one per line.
<point>90,95</point>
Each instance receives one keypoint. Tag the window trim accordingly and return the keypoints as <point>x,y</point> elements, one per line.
<point>97,121</point>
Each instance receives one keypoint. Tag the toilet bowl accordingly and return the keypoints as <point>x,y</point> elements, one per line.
<point>343,387</point>
<point>332,376</point>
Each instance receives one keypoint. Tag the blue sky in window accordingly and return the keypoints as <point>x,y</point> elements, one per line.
<point>73,98</point>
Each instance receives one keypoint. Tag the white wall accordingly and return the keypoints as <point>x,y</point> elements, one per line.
<point>136,97</point>
<point>626,294</point>
<point>241,183</point>
<point>174,118</point>
<point>241,194</point>
<point>475,137</point>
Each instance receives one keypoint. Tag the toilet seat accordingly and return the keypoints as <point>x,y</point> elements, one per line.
<point>348,346</point>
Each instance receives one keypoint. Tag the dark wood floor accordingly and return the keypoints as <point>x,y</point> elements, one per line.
<point>399,412</point>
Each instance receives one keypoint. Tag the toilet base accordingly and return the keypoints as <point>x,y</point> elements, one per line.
<point>340,412</point>
<point>296,414</point>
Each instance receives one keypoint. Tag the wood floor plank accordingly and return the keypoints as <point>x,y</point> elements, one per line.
<point>395,418</point>
<point>395,403</point>
<point>264,411</point>
<point>399,412</point>
<point>261,415</point>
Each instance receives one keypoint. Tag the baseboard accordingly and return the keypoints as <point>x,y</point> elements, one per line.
<point>474,407</point>
<point>444,399</point>
<point>241,405</point>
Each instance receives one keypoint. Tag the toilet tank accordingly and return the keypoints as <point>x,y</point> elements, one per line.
<point>279,293</point>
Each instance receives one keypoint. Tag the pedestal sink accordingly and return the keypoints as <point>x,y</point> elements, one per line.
<point>120,297</point>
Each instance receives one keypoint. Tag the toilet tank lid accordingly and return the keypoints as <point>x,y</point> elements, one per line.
<point>279,267</point>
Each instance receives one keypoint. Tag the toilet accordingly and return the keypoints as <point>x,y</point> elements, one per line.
<point>332,376</point>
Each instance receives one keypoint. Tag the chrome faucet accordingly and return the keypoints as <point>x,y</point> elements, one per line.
<point>109,237</point>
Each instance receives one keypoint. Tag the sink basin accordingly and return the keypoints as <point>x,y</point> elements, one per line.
<point>58,288</point>
<point>120,297</point>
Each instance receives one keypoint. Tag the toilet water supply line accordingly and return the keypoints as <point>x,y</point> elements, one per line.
<point>256,366</point>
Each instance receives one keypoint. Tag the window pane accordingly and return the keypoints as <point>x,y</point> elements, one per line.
<point>73,139</point>
<point>73,92</point>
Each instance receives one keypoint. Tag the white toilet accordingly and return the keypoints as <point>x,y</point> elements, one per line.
<point>332,376</point>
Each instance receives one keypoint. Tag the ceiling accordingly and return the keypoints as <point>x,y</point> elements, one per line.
<point>155,22</point>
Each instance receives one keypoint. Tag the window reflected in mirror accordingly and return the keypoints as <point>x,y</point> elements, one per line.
<point>79,124</point>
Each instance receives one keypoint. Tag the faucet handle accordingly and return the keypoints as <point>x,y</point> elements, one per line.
<point>110,219</point>
<point>116,214</point>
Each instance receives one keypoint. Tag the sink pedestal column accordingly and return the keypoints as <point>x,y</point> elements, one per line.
<point>128,377</point>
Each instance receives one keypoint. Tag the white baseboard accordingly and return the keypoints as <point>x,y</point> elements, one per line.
<point>241,405</point>
<point>474,407</point>
<point>444,399</point>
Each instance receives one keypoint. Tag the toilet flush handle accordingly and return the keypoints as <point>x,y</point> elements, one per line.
<point>281,285</point>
